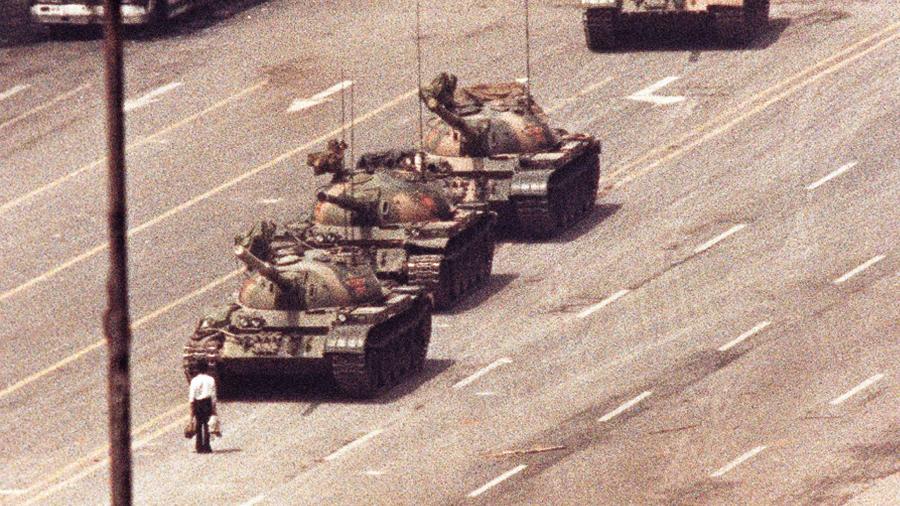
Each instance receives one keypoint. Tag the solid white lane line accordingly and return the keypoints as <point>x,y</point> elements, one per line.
<point>45,105</point>
<point>857,389</point>
<point>715,240</point>
<point>256,500</point>
<point>355,444</point>
<point>485,394</point>
<point>829,177</point>
<point>739,339</point>
<point>19,88</point>
<point>493,365</point>
<point>600,305</point>
<point>624,407</point>
<point>856,270</point>
<point>150,97</point>
<point>738,461</point>
<point>372,472</point>
<point>301,104</point>
<point>493,483</point>
<point>648,93</point>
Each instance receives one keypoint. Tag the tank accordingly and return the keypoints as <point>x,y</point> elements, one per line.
<point>492,143</point>
<point>311,311</point>
<point>410,227</point>
<point>734,21</point>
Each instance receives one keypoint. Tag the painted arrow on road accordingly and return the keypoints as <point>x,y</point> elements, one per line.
<point>648,93</point>
<point>149,98</point>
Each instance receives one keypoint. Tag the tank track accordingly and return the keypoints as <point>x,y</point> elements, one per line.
<point>738,26</point>
<point>600,28</point>
<point>571,195</point>
<point>394,351</point>
<point>451,276</point>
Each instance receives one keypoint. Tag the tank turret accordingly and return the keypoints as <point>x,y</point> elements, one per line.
<point>405,220</point>
<point>484,120</point>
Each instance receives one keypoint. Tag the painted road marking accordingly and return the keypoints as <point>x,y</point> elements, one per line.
<point>717,239</point>
<point>829,177</point>
<point>149,98</point>
<point>12,491</point>
<point>372,472</point>
<point>256,500</point>
<point>6,206</point>
<point>856,270</point>
<point>40,108</point>
<point>486,393</point>
<point>625,407</point>
<point>200,198</point>
<point>740,113</point>
<point>586,90</point>
<point>355,444</point>
<point>600,305</point>
<point>736,462</point>
<point>270,201</point>
<point>648,93</point>
<point>301,104</point>
<point>857,389</point>
<point>739,339</point>
<point>495,364</point>
<point>496,481</point>
<point>15,90</point>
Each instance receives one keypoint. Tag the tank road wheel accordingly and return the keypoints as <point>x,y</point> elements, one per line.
<point>600,28</point>
<point>739,25</point>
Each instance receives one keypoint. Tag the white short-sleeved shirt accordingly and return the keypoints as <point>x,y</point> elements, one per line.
<point>202,386</point>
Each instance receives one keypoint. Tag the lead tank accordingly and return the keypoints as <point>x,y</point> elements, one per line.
<point>492,143</point>
<point>411,229</point>
<point>302,311</point>
<point>734,21</point>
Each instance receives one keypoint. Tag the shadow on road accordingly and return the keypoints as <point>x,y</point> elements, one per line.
<point>693,35</point>
<point>600,213</point>
<point>318,390</point>
<point>495,284</point>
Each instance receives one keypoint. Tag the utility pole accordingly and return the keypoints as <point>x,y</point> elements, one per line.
<point>117,324</point>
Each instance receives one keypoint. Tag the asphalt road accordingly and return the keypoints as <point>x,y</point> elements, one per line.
<point>722,330</point>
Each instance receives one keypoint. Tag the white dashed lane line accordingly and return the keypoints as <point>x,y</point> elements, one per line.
<point>856,270</point>
<point>625,407</point>
<point>496,481</point>
<point>256,500</point>
<point>829,177</point>
<point>719,238</point>
<point>355,444</point>
<point>857,389</point>
<point>738,461</point>
<point>603,303</point>
<point>302,104</point>
<point>741,338</point>
<point>481,372</point>
<point>15,90</point>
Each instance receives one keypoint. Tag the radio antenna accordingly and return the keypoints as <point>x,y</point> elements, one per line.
<point>352,122</point>
<point>419,67</point>
<point>343,107</point>
<point>527,53</point>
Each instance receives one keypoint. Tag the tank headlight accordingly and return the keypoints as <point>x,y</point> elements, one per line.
<point>342,317</point>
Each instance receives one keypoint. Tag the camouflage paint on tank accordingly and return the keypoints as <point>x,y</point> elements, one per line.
<point>380,199</point>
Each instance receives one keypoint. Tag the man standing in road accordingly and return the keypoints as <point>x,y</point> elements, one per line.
<point>202,396</point>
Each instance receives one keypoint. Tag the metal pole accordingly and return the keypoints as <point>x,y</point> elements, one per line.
<point>116,319</point>
<point>419,68</point>
<point>527,52</point>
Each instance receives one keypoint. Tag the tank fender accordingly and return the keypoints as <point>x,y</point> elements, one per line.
<point>530,183</point>
<point>347,339</point>
<point>434,243</point>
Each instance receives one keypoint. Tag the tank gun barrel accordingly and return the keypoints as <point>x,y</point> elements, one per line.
<point>265,269</point>
<point>346,202</point>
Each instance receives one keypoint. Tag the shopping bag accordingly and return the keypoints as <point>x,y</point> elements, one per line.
<point>190,430</point>
<point>215,427</point>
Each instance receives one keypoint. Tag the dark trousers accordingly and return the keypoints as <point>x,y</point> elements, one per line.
<point>202,411</point>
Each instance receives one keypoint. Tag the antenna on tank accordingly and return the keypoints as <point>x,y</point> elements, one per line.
<point>419,67</point>
<point>343,107</point>
<point>527,53</point>
<point>352,121</point>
